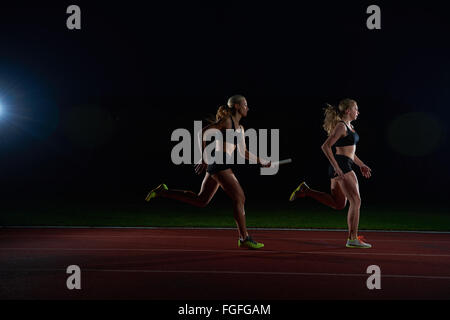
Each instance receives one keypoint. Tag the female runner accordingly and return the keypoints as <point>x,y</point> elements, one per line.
<point>344,183</point>
<point>221,175</point>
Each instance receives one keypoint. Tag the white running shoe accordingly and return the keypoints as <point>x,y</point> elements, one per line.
<point>358,243</point>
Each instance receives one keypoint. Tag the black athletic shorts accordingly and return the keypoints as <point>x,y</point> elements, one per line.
<point>345,163</point>
<point>216,167</point>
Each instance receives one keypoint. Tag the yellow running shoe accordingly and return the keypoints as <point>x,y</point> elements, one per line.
<point>250,243</point>
<point>300,192</point>
<point>154,193</point>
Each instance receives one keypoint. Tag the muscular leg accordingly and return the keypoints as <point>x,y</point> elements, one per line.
<point>207,191</point>
<point>336,200</point>
<point>351,189</point>
<point>233,189</point>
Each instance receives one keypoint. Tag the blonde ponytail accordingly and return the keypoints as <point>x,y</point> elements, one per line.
<point>334,114</point>
<point>222,113</point>
<point>332,117</point>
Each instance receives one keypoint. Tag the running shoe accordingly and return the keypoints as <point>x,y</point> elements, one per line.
<point>154,193</point>
<point>358,243</point>
<point>300,192</point>
<point>249,243</point>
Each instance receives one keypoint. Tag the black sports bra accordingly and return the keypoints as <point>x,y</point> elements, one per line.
<point>350,139</point>
<point>232,128</point>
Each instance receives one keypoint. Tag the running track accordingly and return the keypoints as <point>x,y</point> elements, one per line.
<point>191,264</point>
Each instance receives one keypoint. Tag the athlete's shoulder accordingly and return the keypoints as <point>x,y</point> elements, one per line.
<point>340,126</point>
<point>340,129</point>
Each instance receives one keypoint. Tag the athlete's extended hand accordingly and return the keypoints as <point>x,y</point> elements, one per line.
<point>265,163</point>
<point>366,171</point>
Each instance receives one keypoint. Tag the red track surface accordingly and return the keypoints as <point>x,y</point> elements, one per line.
<point>184,264</point>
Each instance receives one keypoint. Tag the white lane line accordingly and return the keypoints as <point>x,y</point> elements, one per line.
<point>221,228</point>
<point>364,252</point>
<point>69,236</point>
<point>256,273</point>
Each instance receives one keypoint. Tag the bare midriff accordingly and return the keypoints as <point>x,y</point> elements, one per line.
<point>348,151</point>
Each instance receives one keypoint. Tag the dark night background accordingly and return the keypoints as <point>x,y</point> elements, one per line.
<point>88,114</point>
